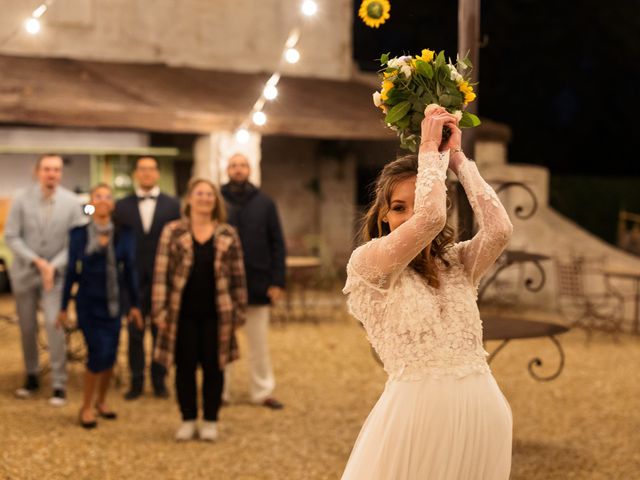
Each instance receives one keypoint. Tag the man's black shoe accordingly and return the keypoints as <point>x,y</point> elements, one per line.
<point>133,393</point>
<point>161,392</point>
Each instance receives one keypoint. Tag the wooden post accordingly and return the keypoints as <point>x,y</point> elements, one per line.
<point>468,42</point>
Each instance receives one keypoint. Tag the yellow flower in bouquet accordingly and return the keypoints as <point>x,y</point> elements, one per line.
<point>411,85</point>
<point>467,91</point>
<point>426,56</point>
<point>374,12</point>
<point>386,88</point>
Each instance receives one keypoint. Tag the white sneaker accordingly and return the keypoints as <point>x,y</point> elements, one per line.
<point>58,399</point>
<point>23,393</point>
<point>186,431</point>
<point>209,431</point>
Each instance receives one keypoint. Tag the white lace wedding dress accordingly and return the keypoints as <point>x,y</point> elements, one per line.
<point>441,416</point>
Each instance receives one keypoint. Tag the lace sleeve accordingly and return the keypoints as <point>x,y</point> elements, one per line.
<point>381,260</point>
<point>478,254</point>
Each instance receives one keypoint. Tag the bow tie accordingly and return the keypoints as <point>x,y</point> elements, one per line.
<point>147,197</point>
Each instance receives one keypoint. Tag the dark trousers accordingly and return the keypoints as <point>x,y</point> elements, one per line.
<point>197,344</point>
<point>137,359</point>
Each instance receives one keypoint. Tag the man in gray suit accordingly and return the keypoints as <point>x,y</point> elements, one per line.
<point>36,231</point>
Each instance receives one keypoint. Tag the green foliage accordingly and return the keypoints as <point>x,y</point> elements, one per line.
<point>398,112</point>
<point>469,120</point>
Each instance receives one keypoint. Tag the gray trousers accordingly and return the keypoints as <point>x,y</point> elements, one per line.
<point>27,308</point>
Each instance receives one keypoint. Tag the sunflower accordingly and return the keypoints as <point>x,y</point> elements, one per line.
<point>374,12</point>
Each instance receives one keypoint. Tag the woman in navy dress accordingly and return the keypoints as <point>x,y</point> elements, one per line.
<point>101,262</point>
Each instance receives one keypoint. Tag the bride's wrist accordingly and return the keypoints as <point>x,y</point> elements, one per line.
<point>429,145</point>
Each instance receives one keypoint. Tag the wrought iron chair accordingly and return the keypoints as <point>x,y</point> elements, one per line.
<point>582,305</point>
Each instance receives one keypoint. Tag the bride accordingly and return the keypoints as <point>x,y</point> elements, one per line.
<point>441,415</point>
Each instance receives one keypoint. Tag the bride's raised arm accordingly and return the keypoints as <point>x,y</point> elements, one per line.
<point>479,253</point>
<point>382,259</point>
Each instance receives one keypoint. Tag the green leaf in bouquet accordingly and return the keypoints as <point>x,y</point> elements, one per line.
<point>416,103</point>
<point>440,61</point>
<point>423,68</point>
<point>403,122</point>
<point>443,74</point>
<point>384,58</point>
<point>409,142</point>
<point>469,120</point>
<point>397,112</point>
<point>428,98</point>
<point>396,95</point>
<point>416,122</point>
<point>447,100</point>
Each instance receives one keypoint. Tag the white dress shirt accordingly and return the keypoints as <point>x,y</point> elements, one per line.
<point>147,206</point>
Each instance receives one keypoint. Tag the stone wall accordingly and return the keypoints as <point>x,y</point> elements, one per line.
<point>235,35</point>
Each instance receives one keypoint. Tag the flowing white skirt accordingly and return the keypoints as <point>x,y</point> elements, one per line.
<point>435,429</point>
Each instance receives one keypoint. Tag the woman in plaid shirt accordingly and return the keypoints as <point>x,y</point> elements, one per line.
<point>199,297</point>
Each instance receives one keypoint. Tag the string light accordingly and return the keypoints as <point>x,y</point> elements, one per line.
<point>242,135</point>
<point>270,92</point>
<point>38,12</point>
<point>32,26</point>
<point>309,8</point>
<point>292,55</point>
<point>259,118</point>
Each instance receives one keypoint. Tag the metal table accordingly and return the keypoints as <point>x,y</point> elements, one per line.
<point>509,328</point>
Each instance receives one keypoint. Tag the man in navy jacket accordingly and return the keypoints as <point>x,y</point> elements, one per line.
<point>255,216</point>
<point>146,212</point>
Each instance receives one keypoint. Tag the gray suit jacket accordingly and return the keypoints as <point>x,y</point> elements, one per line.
<point>29,235</point>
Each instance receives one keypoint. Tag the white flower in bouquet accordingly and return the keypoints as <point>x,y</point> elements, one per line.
<point>377,101</point>
<point>455,75</point>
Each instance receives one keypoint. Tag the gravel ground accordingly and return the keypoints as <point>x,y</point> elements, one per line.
<point>583,425</point>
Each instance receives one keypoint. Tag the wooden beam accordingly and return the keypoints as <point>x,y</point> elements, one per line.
<point>468,42</point>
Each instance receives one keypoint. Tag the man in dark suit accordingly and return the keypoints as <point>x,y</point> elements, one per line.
<point>146,211</point>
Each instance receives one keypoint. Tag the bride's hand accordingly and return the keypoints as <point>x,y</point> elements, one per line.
<point>431,128</point>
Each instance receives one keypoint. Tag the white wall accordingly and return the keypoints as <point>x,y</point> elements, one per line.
<point>237,35</point>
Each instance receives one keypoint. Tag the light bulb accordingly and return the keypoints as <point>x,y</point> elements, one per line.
<point>270,92</point>
<point>309,8</point>
<point>259,118</point>
<point>292,55</point>
<point>242,135</point>
<point>38,12</point>
<point>32,25</point>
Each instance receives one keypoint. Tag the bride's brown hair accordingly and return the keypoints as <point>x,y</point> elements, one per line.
<point>373,227</point>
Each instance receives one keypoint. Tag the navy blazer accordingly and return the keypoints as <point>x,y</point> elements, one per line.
<point>127,214</point>
<point>89,271</point>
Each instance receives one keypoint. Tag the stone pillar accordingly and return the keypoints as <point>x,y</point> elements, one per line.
<point>211,153</point>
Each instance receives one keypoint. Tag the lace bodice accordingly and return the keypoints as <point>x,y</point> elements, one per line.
<point>418,330</point>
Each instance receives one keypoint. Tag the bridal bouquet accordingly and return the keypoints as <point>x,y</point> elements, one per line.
<point>411,86</point>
